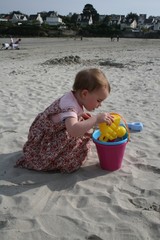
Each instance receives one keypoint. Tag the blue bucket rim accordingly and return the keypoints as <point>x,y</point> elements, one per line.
<point>95,140</point>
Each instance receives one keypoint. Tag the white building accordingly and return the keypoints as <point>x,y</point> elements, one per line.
<point>133,24</point>
<point>54,19</point>
<point>18,18</point>
<point>156,25</point>
<point>36,17</point>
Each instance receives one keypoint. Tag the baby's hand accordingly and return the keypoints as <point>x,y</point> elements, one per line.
<point>105,117</point>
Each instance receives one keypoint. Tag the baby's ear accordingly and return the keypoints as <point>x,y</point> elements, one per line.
<point>84,92</point>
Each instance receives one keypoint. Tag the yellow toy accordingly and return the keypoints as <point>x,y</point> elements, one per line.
<point>109,133</point>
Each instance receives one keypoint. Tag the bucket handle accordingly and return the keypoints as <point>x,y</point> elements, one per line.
<point>114,113</point>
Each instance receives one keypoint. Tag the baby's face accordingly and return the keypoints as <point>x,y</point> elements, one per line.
<point>93,100</point>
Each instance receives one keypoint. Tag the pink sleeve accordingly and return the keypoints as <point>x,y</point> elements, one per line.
<point>65,115</point>
<point>62,116</point>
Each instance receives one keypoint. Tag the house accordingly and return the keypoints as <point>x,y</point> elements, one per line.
<point>141,19</point>
<point>17,17</point>
<point>156,24</point>
<point>115,19</point>
<point>53,19</point>
<point>123,23</point>
<point>90,22</point>
<point>102,17</point>
<point>133,24</point>
<point>85,20</point>
<point>4,18</point>
<point>149,23</point>
<point>36,17</point>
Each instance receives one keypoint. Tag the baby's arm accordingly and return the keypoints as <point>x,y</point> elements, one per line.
<point>78,128</point>
<point>86,115</point>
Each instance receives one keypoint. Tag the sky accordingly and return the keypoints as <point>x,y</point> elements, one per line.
<point>64,7</point>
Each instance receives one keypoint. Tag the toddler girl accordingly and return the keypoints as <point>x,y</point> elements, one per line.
<point>58,138</point>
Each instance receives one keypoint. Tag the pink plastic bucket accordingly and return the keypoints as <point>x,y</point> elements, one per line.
<point>110,153</point>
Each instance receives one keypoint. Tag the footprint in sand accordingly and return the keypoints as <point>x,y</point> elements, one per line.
<point>148,168</point>
<point>3,223</point>
<point>126,231</point>
<point>94,237</point>
<point>144,204</point>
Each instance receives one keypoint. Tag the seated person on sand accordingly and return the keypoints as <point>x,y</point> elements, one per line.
<point>17,41</point>
<point>5,46</point>
<point>15,45</point>
<point>12,45</point>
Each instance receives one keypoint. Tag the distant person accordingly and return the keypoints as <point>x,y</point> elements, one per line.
<point>12,44</point>
<point>59,137</point>
<point>117,38</point>
<point>5,46</point>
<point>15,45</point>
<point>112,39</point>
<point>17,41</point>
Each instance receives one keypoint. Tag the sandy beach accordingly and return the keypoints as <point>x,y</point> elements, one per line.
<point>91,203</point>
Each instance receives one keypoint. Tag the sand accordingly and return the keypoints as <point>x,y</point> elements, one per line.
<point>91,203</point>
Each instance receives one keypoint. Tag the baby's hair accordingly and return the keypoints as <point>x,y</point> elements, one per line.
<point>90,79</point>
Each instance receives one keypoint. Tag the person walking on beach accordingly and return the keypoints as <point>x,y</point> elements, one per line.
<point>59,137</point>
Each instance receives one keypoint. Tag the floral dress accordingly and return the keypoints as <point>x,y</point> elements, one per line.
<point>50,147</point>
